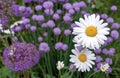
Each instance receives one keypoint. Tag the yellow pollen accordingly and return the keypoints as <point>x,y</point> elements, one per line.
<point>91,31</point>
<point>82,57</point>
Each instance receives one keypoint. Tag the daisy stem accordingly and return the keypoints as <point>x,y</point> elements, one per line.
<point>93,74</point>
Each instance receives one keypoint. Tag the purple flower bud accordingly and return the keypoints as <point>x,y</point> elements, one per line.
<point>44,25</point>
<point>82,4</point>
<point>83,12</point>
<point>40,39</point>
<point>67,18</point>
<point>22,8</point>
<point>71,11</point>
<point>29,10</point>
<point>98,59</point>
<point>67,6</point>
<point>110,20</point>
<point>28,1</point>
<point>113,8</point>
<point>38,7</point>
<point>105,51</point>
<point>27,26</point>
<point>44,47</point>
<point>48,5</point>
<point>109,70</point>
<point>77,9</point>
<point>72,67</point>
<point>111,51</point>
<point>115,26</point>
<point>40,18</point>
<point>67,32</point>
<point>73,25</point>
<point>114,34</point>
<point>99,65</point>
<point>104,16</point>
<point>76,4</point>
<point>33,28</point>
<point>58,46</point>
<point>15,39</point>
<point>34,17</point>
<point>51,23</point>
<point>56,17</point>
<point>17,29</point>
<point>97,51</point>
<point>95,69</point>
<point>109,40</point>
<point>26,21</point>
<point>64,47</point>
<point>109,61</point>
<point>57,31</point>
<point>59,11</point>
<point>48,11</point>
<point>45,34</point>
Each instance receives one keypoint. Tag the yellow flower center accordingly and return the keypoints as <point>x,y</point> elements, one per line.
<point>91,31</point>
<point>82,57</point>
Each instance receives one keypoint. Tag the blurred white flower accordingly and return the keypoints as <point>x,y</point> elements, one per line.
<point>104,67</point>
<point>60,65</point>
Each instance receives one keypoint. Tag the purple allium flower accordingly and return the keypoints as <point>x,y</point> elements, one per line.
<point>83,12</point>
<point>56,17</point>
<point>44,47</point>
<point>71,11</point>
<point>115,26</point>
<point>59,11</point>
<point>40,18</point>
<point>109,61</point>
<point>109,40</point>
<point>111,51</point>
<point>110,20</point>
<point>109,70</point>
<point>104,16</point>
<point>34,17</point>
<point>48,5</point>
<point>17,29</point>
<point>82,4</point>
<point>58,46</point>
<point>21,56</point>
<point>51,23</point>
<point>57,31</point>
<point>73,25</point>
<point>27,26</point>
<point>38,7</point>
<point>44,25</point>
<point>45,34</point>
<point>72,67</point>
<point>33,28</point>
<point>26,20</point>
<point>77,9</point>
<point>27,1</point>
<point>22,8</point>
<point>40,39</point>
<point>95,69</point>
<point>105,51</point>
<point>67,18</point>
<point>98,59</point>
<point>64,47</point>
<point>29,10</point>
<point>114,34</point>
<point>97,51</point>
<point>99,65</point>
<point>15,39</point>
<point>76,4</point>
<point>48,11</point>
<point>113,8</point>
<point>67,32</point>
<point>67,6</point>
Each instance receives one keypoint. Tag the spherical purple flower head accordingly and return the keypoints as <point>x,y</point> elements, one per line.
<point>109,40</point>
<point>38,7</point>
<point>99,65</point>
<point>67,32</point>
<point>63,1</point>
<point>44,25</point>
<point>113,8</point>
<point>27,26</point>
<point>22,8</point>
<point>17,29</point>
<point>82,4</point>
<point>64,47</point>
<point>95,69</point>
<point>40,18</point>
<point>76,4</point>
<point>15,39</point>
<point>4,21</point>
<point>67,18</point>
<point>15,9</point>
<point>110,20</point>
<point>83,12</point>
<point>57,31</point>
<point>78,47</point>
<point>44,47</point>
<point>58,46</point>
<point>40,39</point>
<point>56,17</point>
<point>114,34</point>
<point>34,17</point>
<point>98,59</point>
<point>115,26</point>
<point>109,61</point>
<point>111,51</point>
<point>28,12</point>
<point>26,20</point>
<point>104,16</point>
<point>33,28</point>
<point>67,6</point>
<point>48,5</point>
<point>45,34</point>
<point>27,1</point>
<point>97,51</point>
<point>21,56</point>
<point>48,12</point>
<point>105,51</point>
<point>59,11</point>
<point>51,23</point>
<point>109,70</point>
<point>71,11</point>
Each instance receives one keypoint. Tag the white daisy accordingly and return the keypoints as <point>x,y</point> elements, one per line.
<point>90,32</point>
<point>60,65</point>
<point>104,67</point>
<point>83,60</point>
